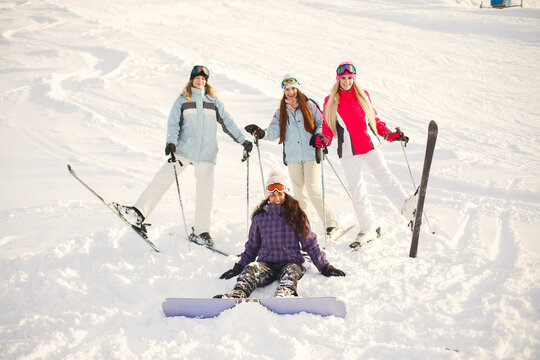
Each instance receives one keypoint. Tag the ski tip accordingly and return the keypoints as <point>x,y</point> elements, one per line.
<point>69,167</point>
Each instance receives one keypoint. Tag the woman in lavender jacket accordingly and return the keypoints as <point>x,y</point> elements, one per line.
<point>279,230</point>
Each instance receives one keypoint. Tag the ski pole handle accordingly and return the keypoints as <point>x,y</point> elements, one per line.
<point>402,137</point>
<point>172,159</point>
<point>245,155</point>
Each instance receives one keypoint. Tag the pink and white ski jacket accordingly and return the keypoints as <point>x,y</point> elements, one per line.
<point>355,137</point>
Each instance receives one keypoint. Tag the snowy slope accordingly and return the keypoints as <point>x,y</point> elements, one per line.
<point>92,85</point>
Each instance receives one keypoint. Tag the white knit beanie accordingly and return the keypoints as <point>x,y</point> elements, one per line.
<point>276,177</point>
<point>295,84</point>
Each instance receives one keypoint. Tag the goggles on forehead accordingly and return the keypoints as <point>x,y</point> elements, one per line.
<point>200,69</point>
<point>346,68</point>
<point>276,187</point>
<point>289,81</point>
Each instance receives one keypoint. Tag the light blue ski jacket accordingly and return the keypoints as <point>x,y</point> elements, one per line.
<point>296,146</point>
<point>192,126</point>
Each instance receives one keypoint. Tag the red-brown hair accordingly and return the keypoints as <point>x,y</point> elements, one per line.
<point>294,215</point>
<point>309,123</point>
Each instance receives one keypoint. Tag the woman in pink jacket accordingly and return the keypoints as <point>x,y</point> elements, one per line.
<point>350,116</point>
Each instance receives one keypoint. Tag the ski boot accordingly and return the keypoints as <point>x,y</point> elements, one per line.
<point>365,238</point>
<point>201,239</point>
<point>333,232</point>
<point>408,210</point>
<point>131,214</point>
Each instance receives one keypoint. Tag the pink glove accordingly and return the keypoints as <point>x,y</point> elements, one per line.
<point>319,143</point>
<point>395,136</point>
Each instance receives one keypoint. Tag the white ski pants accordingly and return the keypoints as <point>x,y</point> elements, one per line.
<point>204,191</point>
<point>354,172</point>
<point>306,184</point>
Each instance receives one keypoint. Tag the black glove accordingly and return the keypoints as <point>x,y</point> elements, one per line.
<point>248,146</point>
<point>329,270</point>
<point>170,148</point>
<point>255,131</point>
<point>236,270</point>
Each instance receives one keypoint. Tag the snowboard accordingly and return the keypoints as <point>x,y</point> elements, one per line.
<point>430,147</point>
<point>139,231</point>
<point>209,308</point>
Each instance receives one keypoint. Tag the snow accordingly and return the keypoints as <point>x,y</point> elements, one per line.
<point>91,84</point>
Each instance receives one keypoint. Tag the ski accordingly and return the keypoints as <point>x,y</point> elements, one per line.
<point>343,232</point>
<point>197,240</point>
<point>138,230</point>
<point>430,147</point>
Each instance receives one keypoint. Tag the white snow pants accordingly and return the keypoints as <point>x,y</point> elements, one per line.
<point>353,168</point>
<point>306,183</point>
<point>204,191</point>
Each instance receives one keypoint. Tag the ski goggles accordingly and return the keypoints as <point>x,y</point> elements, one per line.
<point>276,187</point>
<point>346,68</point>
<point>200,70</point>
<point>292,81</point>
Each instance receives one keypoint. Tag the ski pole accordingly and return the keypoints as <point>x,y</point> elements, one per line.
<point>323,201</point>
<point>337,175</point>
<point>256,141</point>
<point>173,161</point>
<point>398,130</point>
<point>246,158</point>
<point>320,159</point>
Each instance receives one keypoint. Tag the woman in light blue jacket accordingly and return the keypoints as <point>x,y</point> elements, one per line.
<point>296,124</point>
<point>192,137</point>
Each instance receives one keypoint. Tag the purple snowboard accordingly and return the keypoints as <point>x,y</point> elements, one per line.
<point>208,308</point>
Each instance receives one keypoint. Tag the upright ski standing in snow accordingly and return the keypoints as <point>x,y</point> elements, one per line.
<point>430,147</point>
<point>139,231</point>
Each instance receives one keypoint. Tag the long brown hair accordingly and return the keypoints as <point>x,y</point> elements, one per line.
<point>309,123</point>
<point>209,90</point>
<point>294,215</point>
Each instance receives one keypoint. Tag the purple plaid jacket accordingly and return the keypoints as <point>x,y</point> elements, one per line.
<point>272,240</point>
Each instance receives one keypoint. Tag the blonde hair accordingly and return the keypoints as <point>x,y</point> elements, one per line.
<point>330,111</point>
<point>209,89</point>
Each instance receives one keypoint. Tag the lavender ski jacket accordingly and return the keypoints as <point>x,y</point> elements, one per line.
<point>273,241</point>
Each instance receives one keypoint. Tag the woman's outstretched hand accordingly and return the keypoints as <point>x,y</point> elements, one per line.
<point>329,270</point>
<point>236,270</point>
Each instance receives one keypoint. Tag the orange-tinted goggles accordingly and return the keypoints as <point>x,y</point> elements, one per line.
<point>276,187</point>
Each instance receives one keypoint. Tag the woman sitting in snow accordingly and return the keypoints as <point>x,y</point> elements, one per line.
<point>279,230</point>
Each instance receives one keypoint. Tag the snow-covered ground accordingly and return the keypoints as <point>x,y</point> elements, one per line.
<point>91,84</point>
